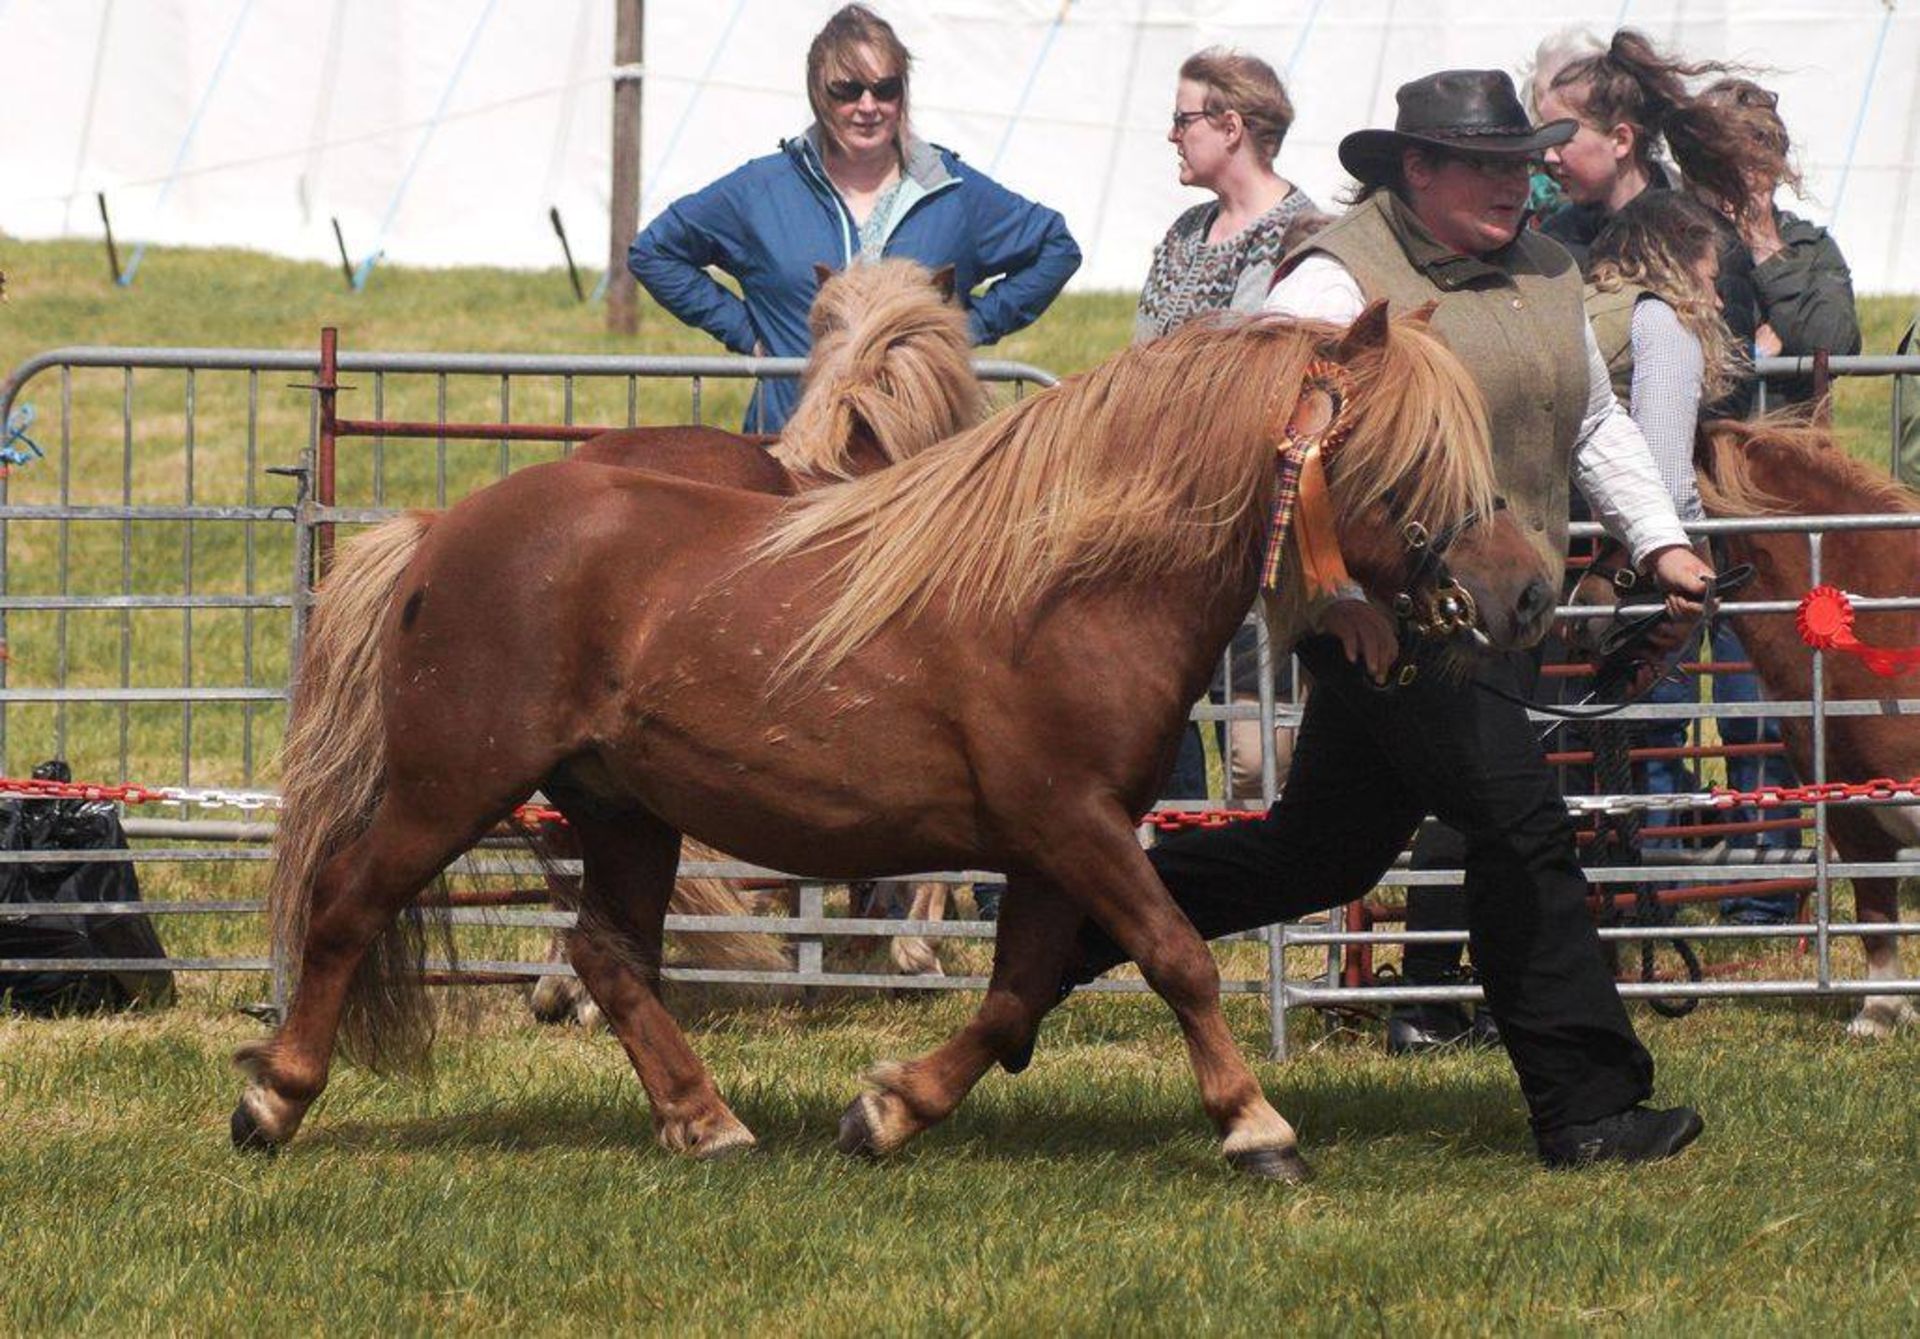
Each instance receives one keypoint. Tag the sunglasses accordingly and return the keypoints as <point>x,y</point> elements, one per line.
<point>851,90</point>
<point>1181,120</point>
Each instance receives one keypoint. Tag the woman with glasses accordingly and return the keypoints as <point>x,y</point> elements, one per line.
<point>856,184</point>
<point>1230,114</point>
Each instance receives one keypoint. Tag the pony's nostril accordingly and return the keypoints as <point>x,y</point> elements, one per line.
<point>1536,601</point>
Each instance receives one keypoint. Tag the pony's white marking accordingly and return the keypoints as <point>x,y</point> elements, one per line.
<point>1881,1016</point>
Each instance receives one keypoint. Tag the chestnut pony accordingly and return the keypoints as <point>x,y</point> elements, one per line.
<point>981,657</point>
<point>1781,468</point>
<point>889,374</point>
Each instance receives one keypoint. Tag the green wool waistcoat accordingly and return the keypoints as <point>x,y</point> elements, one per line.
<point>1514,317</point>
<point>1611,314</point>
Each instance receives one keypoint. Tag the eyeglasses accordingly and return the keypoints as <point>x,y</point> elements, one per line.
<point>851,90</point>
<point>1181,120</point>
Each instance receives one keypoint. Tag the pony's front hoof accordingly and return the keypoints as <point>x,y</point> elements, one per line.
<point>1017,1060</point>
<point>246,1131</point>
<point>858,1137</point>
<point>726,1146</point>
<point>1272,1164</point>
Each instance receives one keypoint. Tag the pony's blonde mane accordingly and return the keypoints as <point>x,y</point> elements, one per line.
<point>1733,450</point>
<point>889,349</point>
<point>1159,461</point>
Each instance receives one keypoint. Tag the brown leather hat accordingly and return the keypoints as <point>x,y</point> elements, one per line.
<point>1464,111</point>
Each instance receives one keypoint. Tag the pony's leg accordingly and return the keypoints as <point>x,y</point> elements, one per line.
<point>1035,920</point>
<point>1101,867</point>
<point>552,997</point>
<point>1858,835</point>
<point>913,955</point>
<point>630,862</point>
<point>1878,901</point>
<point>356,896</point>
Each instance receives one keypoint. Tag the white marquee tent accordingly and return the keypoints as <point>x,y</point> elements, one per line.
<point>441,132</point>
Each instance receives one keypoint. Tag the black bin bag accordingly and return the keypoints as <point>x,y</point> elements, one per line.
<point>72,825</point>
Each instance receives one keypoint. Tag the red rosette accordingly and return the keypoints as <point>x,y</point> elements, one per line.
<point>1825,619</point>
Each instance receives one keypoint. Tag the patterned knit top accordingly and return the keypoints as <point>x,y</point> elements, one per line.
<point>1189,278</point>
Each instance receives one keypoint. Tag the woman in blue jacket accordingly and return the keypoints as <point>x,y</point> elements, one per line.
<point>856,184</point>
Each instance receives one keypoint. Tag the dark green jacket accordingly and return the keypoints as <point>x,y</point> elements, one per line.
<point>1806,295</point>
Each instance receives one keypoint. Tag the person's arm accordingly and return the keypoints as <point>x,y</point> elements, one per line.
<point>1024,243</point>
<point>670,259</point>
<point>1614,470</point>
<point>1668,368</point>
<point>1806,295</point>
<point>1319,288</point>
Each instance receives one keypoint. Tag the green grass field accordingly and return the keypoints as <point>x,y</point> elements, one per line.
<point>521,1188</point>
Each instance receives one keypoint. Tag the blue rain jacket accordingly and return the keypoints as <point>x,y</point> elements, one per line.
<point>768,223</point>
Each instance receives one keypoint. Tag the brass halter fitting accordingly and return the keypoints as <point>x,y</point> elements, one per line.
<point>1442,611</point>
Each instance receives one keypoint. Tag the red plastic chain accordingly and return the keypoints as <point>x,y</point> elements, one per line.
<point>1186,820</point>
<point>1880,788</point>
<point>1164,820</point>
<point>34,788</point>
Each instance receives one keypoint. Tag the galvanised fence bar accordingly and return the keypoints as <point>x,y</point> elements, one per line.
<point>166,499</point>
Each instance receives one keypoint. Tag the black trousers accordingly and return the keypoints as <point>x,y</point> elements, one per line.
<point>1367,767</point>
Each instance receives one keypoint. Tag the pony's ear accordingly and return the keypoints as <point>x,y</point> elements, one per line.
<point>1368,331</point>
<point>943,280</point>
<point>1422,315</point>
<point>821,274</point>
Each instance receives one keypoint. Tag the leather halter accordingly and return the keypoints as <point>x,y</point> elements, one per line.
<point>1432,604</point>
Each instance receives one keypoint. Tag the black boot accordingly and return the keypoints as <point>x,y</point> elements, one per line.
<point>1638,1134</point>
<point>1414,1029</point>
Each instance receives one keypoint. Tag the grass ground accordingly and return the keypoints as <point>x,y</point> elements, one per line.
<point>520,1190</point>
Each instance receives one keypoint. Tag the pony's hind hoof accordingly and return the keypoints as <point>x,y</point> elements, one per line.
<point>247,1134</point>
<point>1272,1164</point>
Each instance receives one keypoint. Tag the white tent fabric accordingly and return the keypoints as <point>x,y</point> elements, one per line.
<point>439,132</point>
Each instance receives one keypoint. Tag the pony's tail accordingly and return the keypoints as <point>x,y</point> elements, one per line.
<point>333,770</point>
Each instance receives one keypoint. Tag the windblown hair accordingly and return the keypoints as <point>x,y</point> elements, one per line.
<point>1247,86</point>
<point>1756,111</point>
<point>1632,83</point>
<point>1161,460</point>
<point>891,351</point>
<point>1658,241</point>
<point>834,54</point>
<point>1730,453</point>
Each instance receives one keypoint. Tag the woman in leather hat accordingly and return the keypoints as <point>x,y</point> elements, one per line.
<point>1438,218</point>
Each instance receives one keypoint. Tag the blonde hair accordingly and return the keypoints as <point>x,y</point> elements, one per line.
<point>1246,85</point>
<point>835,54</point>
<point>1657,242</point>
<point>1095,480</point>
